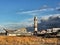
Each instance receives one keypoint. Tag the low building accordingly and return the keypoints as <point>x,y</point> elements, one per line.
<point>21,30</point>
<point>55,29</point>
<point>11,34</point>
<point>49,30</point>
<point>58,33</point>
<point>18,32</point>
<point>43,31</point>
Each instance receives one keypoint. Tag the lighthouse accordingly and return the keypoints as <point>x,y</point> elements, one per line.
<point>35,25</point>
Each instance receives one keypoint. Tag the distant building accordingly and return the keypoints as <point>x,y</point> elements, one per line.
<point>11,34</point>
<point>55,29</point>
<point>43,31</point>
<point>21,30</point>
<point>18,32</point>
<point>49,30</point>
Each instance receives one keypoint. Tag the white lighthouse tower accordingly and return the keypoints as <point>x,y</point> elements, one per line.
<point>35,25</point>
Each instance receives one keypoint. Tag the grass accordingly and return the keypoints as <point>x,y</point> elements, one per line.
<point>13,40</point>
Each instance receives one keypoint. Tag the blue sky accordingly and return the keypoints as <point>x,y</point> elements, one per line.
<point>21,12</point>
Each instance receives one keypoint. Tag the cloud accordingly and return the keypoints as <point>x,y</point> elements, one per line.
<point>44,7</point>
<point>43,22</point>
<point>16,25</point>
<point>36,12</point>
<point>33,11</point>
<point>29,22</point>
<point>46,17</point>
<point>47,22</point>
<point>58,8</point>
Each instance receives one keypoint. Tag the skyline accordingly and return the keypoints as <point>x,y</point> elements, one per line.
<point>20,13</point>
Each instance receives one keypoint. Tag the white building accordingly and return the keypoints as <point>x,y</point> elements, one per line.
<point>19,32</point>
<point>49,30</point>
<point>43,31</point>
<point>55,29</point>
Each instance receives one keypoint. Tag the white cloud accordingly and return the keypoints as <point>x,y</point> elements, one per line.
<point>13,25</point>
<point>38,11</point>
<point>35,12</point>
<point>52,15</point>
<point>28,23</point>
<point>57,8</point>
<point>45,6</point>
<point>45,17</point>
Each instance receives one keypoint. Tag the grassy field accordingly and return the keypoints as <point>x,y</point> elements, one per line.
<point>9,40</point>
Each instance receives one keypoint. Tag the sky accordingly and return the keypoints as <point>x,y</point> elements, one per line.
<point>20,13</point>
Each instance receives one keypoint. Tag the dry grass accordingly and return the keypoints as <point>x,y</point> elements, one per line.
<point>6,40</point>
